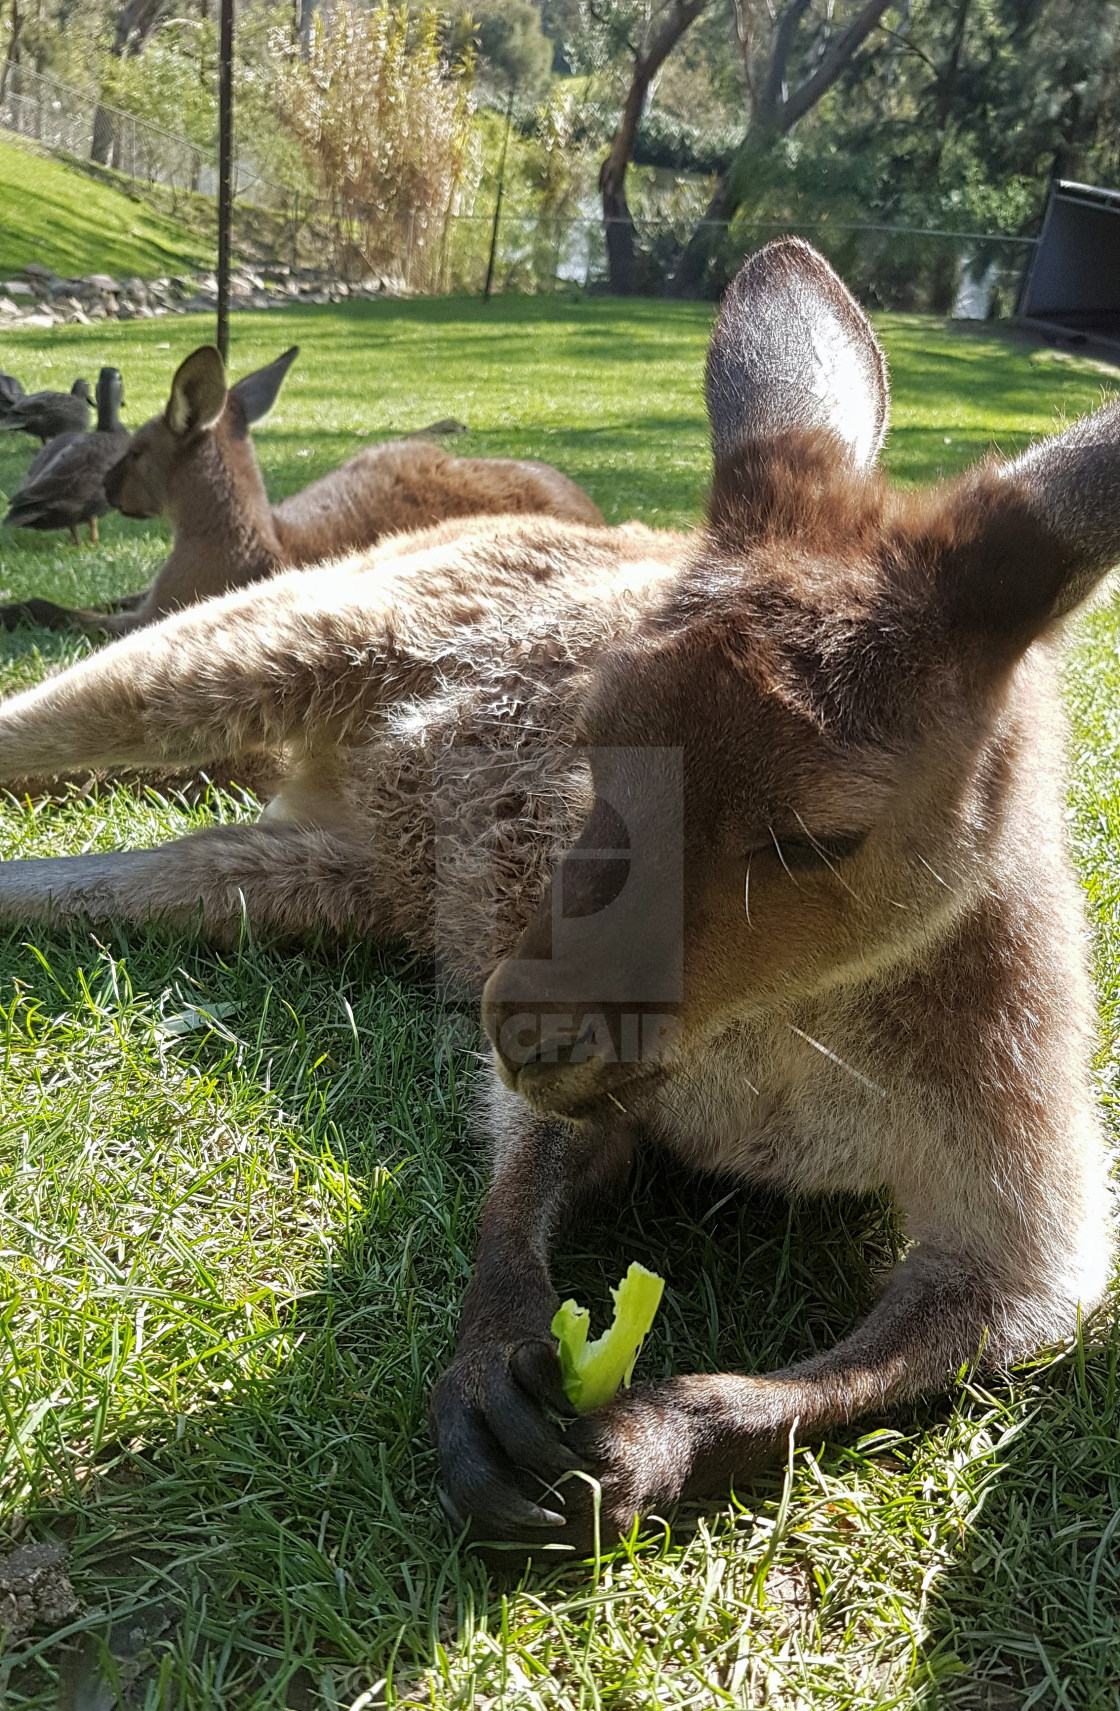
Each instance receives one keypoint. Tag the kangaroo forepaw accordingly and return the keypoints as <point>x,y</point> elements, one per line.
<point>501,1447</point>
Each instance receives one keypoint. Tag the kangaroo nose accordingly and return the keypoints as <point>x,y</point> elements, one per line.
<point>523,1037</point>
<point>568,1061</point>
<point>534,1041</point>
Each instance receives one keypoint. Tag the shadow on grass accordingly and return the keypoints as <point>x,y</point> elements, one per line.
<point>283,1529</point>
<point>312,1453</point>
<point>286,1527</point>
<point>1028,1610</point>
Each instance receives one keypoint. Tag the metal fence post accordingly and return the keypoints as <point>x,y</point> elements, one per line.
<point>489,286</point>
<point>225,162</point>
<point>408,252</point>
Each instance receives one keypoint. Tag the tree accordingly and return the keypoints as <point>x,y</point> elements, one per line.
<point>134,24</point>
<point>511,46</point>
<point>797,44</point>
<point>649,55</point>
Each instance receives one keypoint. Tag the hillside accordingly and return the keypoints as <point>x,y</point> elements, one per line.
<point>75,225</point>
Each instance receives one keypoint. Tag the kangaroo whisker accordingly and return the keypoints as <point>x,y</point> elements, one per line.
<point>781,857</point>
<point>831,865</point>
<point>841,1063</point>
<point>934,872</point>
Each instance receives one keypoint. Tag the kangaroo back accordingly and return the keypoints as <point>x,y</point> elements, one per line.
<point>411,484</point>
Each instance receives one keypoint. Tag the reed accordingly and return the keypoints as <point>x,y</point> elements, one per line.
<point>383,115</point>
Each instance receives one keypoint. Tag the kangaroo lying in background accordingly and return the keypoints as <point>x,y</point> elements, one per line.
<point>195,465</point>
<point>811,919</point>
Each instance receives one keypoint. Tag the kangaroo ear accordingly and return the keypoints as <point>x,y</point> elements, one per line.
<point>198,392</point>
<point>792,349</point>
<point>259,391</point>
<point>1023,543</point>
<point>1071,484</point>
<point>1019,545</point>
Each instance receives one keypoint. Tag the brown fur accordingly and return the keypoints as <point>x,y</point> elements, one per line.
<point>195,465</point>
<point>758,838</point>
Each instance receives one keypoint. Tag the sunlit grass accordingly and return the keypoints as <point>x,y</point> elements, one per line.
<point>75,225</point>
<point>231,1251</point>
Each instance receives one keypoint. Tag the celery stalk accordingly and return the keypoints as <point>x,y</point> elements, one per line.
<point>592,1372</point>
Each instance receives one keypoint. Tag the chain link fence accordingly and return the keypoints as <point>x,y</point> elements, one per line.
<point>75,122</point>
<point>970,275</point>
<point>889,267</point>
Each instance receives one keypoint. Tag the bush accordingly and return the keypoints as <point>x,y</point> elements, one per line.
<point>384,120</point>
<point>172,84</point>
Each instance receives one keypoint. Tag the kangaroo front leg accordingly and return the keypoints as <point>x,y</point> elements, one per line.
<point>285,880</point>
<point>307,656</point>
<point>46,615</point>
<point>691,1436</point>
<point>499,1449</point>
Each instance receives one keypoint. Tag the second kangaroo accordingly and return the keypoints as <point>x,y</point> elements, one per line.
<point>195,465</point>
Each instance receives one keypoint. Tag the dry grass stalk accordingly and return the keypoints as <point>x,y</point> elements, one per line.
<point>383,116</point>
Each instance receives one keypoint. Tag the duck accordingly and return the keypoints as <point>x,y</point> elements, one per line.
<point>10,392</point>
<point>65,484</point>
<point>48,414</point>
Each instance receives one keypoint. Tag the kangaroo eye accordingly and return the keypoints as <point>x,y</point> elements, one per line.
<point>822,849</point>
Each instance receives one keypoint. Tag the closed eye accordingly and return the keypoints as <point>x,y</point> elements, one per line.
<point>802,850</point>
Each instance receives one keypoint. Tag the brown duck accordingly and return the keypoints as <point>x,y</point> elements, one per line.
<point>48,414</point>
<point>65,484</point>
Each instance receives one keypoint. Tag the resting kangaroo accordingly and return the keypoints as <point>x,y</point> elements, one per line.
<point>195,465</point>
<point>811,918</point>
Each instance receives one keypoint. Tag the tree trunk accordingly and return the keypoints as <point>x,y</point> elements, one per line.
<point>13,55</point>
<point>693,264</point>
<point>618,222</point>
<point>945,87</point>
<point>135,22</point>
<point>304,14</point>
<point>104,135</point>
<point>776,113</point>
<point>618,229</point>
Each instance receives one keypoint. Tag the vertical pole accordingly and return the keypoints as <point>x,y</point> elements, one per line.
<point>408,251</point>
<point>489,286</point>
<point>225,168</point>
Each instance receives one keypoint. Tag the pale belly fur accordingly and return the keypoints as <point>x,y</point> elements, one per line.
<point>768,1104</point>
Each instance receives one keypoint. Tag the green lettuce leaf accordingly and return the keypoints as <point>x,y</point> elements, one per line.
<point>592,1372</point>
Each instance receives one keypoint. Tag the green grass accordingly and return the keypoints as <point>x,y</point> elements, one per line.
<point>74,224</point>
<point>232,1255</point>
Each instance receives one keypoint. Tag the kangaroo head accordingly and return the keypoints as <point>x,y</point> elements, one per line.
<point>810,758</point>
<point>203,429</point>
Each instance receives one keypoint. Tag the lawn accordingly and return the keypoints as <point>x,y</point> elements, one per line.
<point>232,1251</point>
<point>74,224</point>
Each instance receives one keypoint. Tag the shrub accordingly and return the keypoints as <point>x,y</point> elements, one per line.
<point>383,117</point>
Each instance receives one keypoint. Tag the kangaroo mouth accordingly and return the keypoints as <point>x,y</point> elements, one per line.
<point>582,1092</point>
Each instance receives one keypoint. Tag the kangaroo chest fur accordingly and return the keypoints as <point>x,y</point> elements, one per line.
<point>780,1108</point>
